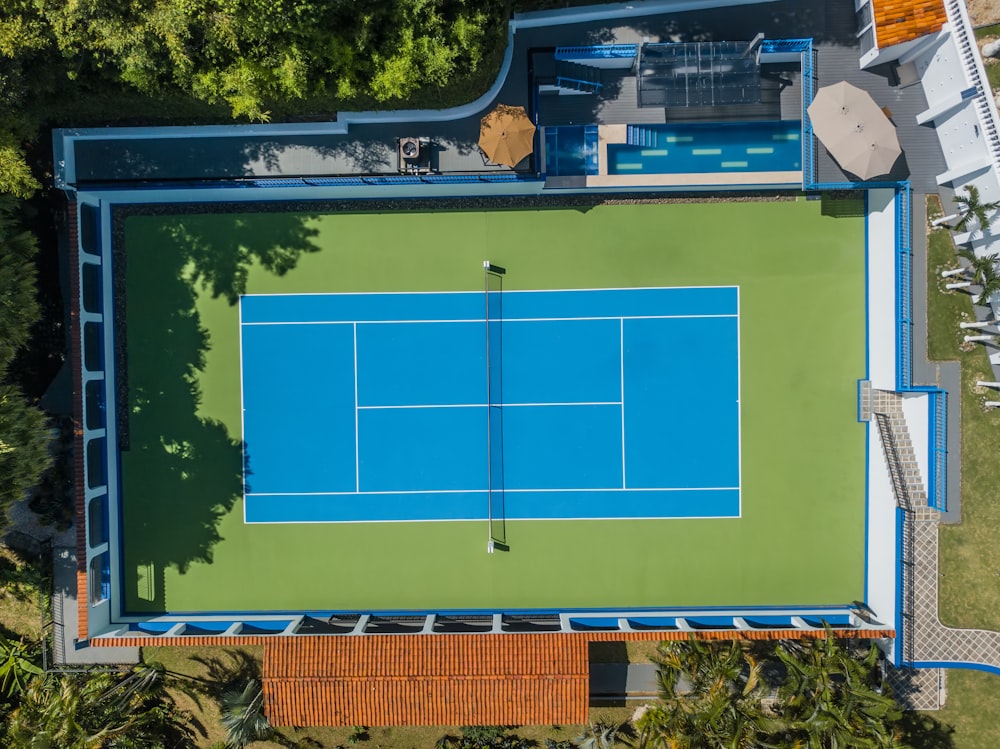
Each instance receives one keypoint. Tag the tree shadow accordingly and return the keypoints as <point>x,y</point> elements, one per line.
<point>231,668</point>
<point>923,731</point>
<point>182,473</point>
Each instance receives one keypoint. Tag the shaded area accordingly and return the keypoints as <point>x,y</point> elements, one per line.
<point>183,472</point>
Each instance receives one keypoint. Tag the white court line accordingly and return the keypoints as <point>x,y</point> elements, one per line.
<point>506,491</point>
<point>739,403</point>
<point>243,408</point>
<point>357,444</point>
<point>479,520</point>
<point>621,351</point>
<point>486,405</point>
<point>506,291</point>
<point>479,320</point>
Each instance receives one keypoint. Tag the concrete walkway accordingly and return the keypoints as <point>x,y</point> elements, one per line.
<point>66,649</point>
<point>612,682</point>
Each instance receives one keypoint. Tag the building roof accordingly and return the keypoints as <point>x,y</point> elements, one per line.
<point>898,21</point>
<point>427,680</point>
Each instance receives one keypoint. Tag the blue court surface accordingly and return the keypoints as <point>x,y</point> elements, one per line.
<point>610,403</point>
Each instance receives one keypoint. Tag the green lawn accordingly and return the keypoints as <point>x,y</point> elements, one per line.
<point>799,540</point>
<point>969,558</point>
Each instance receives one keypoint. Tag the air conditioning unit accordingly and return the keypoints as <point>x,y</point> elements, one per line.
<point>409,148</point>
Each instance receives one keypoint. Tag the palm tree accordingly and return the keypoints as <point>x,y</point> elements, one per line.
<point>970,207</point>
<point>980,267</point>
<point>710,698</point>
<point>81,711</point>
<point>606,735</point>
<point>832,699</point>
<point>243,715</point>
<point>17,666</point>
<point>990,285</point>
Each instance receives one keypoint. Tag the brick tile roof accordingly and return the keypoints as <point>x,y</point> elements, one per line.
<point>898,21</point>
<point>427,680</point>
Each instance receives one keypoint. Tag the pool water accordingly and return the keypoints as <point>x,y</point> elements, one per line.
<point>571,150</point>
<point>695,148</point>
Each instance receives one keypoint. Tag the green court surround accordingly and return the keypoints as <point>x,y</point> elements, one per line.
<point>800,540</point>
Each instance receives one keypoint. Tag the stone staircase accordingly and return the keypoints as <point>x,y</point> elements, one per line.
<point>907,481</point>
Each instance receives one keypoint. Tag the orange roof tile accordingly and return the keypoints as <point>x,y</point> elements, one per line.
<point>898,21</point>
<point>427,680</point>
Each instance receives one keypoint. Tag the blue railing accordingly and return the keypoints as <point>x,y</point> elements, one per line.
<point>597,52</point>
<point>786,45</point>
<point>401,179</point>
<point>937,482</point>
<point>808,91</point>
<point>904,297</point>
<point>578,84</point>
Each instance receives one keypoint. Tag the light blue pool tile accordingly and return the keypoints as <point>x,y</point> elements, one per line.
<point>706,151</point>
<point>735,164</point>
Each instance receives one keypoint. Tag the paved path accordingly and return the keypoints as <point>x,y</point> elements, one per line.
<point>66,652</point>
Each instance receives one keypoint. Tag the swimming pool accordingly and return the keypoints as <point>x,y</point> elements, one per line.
<point>774,146</point>
<point>571,150</point>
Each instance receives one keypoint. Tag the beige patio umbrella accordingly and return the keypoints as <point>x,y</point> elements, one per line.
<point>854,130</point>
<point>506,135</point>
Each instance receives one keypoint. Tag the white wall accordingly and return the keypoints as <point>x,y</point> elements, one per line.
<point>882,289</point>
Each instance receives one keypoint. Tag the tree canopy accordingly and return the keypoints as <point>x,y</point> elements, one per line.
<point>24,440</point>
<point>249,52</point>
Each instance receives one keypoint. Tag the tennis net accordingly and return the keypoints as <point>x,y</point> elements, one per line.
<point>492,285</point>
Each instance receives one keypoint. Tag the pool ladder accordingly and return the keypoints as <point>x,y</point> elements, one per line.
<point>637,135</point>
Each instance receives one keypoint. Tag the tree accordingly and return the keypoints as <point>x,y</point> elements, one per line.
<point>81,711</point>
<point>980,267</point>
<point>990,285</point>
<point>18,307</point>
<point>243,715</point>
<point>250,52</point>
<point>24,447</point>
<point>17,666</point>
<point>831,699</point>
<point>970,207</point>
<point>606,735</point>
<point>710,695</point>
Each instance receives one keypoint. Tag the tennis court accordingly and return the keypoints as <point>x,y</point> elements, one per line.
<point>197,535</point>
<point>513,405</point>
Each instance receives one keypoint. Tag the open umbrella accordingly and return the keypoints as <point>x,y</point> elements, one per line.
<point>506,135</point>
<point>854,130</point>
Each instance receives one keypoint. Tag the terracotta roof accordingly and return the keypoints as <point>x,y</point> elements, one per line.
<point>508,679</point>
<point>898,21</point>
<point>427,680</point>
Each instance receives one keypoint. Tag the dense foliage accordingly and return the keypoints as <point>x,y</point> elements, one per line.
<point>76,711</point>
<point>249,52</point>
<point>742,694</point>
<point>24,439</point>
